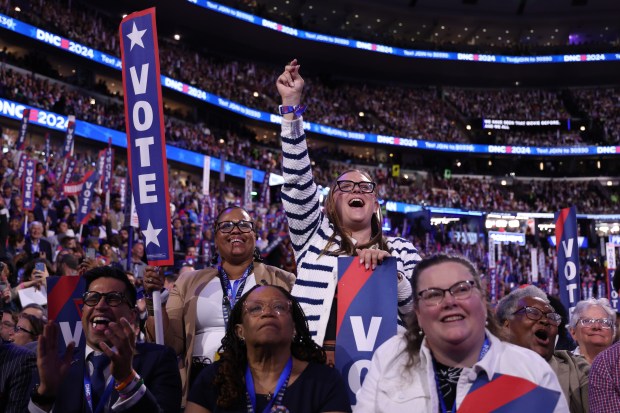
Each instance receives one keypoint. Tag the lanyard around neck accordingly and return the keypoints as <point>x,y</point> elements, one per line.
<point>232,292</point>
<point>88,392</point>
<point>278,393</point>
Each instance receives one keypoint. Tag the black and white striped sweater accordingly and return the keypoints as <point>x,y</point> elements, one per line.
<point>310,231</point>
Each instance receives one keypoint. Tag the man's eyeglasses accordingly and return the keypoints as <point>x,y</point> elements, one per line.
<point>535,314</point>
<point>434,296</point>
<point>9,325</point>
<point>258,308</point>
<point>113,299</point>
<point>604,323</point>
<point>348,186</point>
<point>228,226</point>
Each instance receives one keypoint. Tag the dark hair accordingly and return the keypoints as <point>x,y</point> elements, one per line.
<point>36,323</point>
<point>112,272</point>
<point>347,247</point>
<point>229,379</point>
<point>414,335</point>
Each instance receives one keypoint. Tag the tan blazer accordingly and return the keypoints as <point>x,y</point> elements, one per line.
<point>181,311</point>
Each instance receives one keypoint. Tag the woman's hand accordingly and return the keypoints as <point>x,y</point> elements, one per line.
<point>372,257</point>
<point>290,85</point>
<point>153,279</point>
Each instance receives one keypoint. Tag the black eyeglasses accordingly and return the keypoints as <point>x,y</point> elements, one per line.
<point>228,226</point>
<point>348,186</point>
<point>113,299</point>
<point>434,296</point>
<point>20,328</point>
<point>535,314</point>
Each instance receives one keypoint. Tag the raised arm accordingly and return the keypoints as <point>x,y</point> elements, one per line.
<point>299,193</point>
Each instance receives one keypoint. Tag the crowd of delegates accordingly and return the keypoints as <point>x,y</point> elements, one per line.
<point>430,114</point>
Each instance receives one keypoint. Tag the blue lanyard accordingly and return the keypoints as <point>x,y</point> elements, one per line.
<point>232,292</point>
<point>442,404</point>
<point>278,393</point>
<point>89,394</point>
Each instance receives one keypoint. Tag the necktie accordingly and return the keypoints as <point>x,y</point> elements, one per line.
<point>97,379</point>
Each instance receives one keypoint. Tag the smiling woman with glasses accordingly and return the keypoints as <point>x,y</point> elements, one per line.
<point>268,362</point>
<point>451,351</point>
<point>593,326</point>
<point>200,303</point>
<point>27,330</point>
<point>349,224</point>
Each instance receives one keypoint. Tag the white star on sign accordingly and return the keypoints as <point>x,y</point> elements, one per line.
<point>150,235</point>
<point>136,37</point>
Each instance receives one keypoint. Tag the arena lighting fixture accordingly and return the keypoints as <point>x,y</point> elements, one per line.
<point>609,183</point>
<point>598,164</point>
<point>177,37</point>
<point>490,162</point>
<point>124,15</point>
<point>221,141</point>
<point>254,193</point>
<point>391,155</point>
<point>458,164</point>
<point>361,114</point>
<point>92,101</point>
<point>17,9</point>
<point>542,166</point>
<point>255,94</point>
<point>468,127</point>
<point>406,176</point>
<point>503,182</point>
<point>582,128</point>
<point>501,223</point>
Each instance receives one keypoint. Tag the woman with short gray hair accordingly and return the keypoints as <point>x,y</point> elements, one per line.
<point>593,326</point>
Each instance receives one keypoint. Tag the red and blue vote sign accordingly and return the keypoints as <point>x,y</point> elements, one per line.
<point>23,129</point>
<point>146,143</point>
<point>567,247</point>
<point>64,306</point>
<point>366,316</point>
<point>28,181</point>
<point>67,148</point>
<point>506,394</point>
<point>86,196</point>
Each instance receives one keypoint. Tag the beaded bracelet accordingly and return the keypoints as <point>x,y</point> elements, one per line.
<point>120,386</point>
<point>130,391</point>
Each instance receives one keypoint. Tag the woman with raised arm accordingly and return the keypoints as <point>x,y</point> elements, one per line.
<point>348,225</point>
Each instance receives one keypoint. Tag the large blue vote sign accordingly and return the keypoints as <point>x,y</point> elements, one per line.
<point>146,143</point>
<point>366,316</point>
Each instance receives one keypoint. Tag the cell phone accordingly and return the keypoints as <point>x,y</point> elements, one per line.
<point>40,266</point>
<point>90,253</point>
<point>3,286</point>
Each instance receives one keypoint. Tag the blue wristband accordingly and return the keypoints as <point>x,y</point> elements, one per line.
<point>297,110</point>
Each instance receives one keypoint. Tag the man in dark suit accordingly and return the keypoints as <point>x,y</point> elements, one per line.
<point>36,246</point>
<point>141,377</point>
<point>18,368</point>
<point>44,213</point>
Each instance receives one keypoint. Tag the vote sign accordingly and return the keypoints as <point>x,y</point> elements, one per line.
<point>146,144</point>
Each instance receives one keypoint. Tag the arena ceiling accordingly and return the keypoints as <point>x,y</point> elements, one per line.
<point>511,20</point>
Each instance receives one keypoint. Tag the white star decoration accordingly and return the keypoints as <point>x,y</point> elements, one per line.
<point>136,37</point>
<point>150,235</point>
